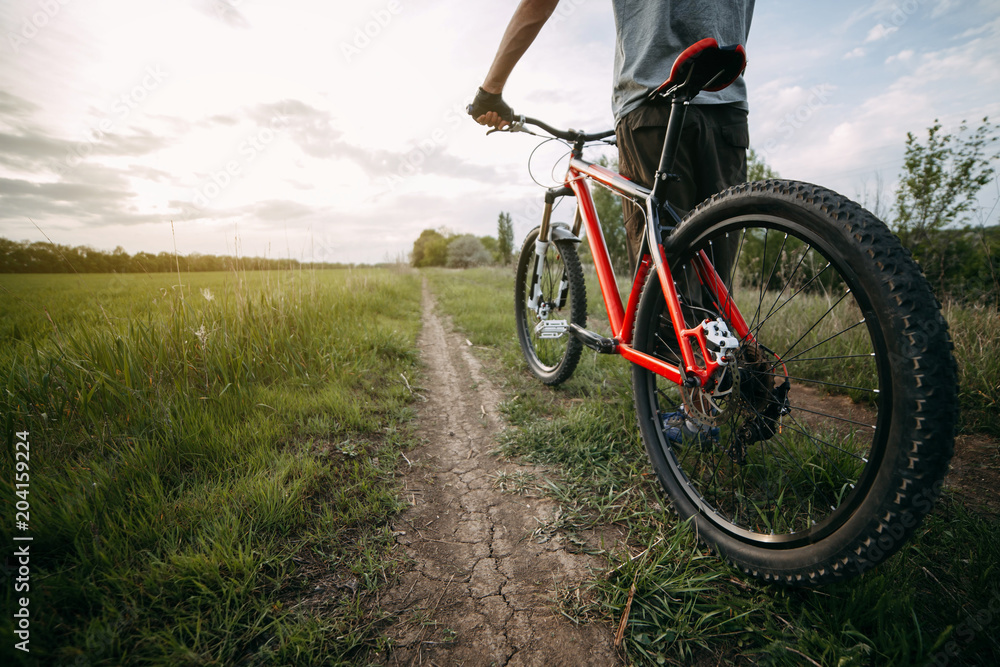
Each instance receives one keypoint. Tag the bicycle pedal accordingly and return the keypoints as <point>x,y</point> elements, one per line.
<point>551,328</point>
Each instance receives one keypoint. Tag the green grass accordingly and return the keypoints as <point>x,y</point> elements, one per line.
<point>976,335</point>
<point>936,602</point>
<point>212,465</point>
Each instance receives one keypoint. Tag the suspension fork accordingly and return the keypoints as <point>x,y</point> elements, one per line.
<point>541,248</point>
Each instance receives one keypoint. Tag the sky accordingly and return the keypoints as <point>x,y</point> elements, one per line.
<point>335,131</point>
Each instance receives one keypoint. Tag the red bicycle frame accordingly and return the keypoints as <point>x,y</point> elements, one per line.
<point>706,66</point>
<point>622,319</point>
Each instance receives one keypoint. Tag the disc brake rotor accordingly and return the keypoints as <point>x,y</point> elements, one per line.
<point>714,407</point>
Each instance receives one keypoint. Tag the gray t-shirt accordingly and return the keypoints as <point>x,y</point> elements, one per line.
<point>652,33</point>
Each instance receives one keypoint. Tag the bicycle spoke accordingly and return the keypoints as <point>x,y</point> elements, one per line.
<point>818,441</point>
<point>790,299</point>
<point>825,340</point>
<point>774,267</point>
<point>763,284</point>
<point>828,384</point>
<point>797,359</point>
<point>816,323</point>
<point>788,282</point>
<point>777,437</point>
<point>823,442</point>
<point>732,271</point>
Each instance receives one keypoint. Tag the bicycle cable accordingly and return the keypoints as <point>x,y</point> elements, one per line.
<point>552,173</point>
<point>532,155</point>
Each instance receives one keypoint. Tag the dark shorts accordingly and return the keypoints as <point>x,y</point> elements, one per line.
<point>711,156</point>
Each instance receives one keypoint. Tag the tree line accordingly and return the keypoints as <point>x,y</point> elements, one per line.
<point>441,247</point>
<point>45,257</point>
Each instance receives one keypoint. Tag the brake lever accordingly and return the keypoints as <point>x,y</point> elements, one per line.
<point>516,125</point>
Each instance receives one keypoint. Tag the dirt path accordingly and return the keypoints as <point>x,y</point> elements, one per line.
<point>482,591</point>
<point>974,474</point>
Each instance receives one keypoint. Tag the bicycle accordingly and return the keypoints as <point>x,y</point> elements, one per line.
<point>815,387</point>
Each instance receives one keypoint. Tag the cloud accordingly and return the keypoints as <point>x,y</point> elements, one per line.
<point>876,8</point>
<point>35,151</point>
<point>223,10</point>
<point>991,26</point>
<point>313,131</point>
<point>81,202</point>
<point>858,52</point>
<point>221,119</point>
<point>903,56</point>
<point>942,8</point>
<point>26,147</point>
<point>30,151</point>
<point>148,173</point>
<point>16,108</point>
<point>880,31</point>
<point>278,210</point>
<point>869,136</point>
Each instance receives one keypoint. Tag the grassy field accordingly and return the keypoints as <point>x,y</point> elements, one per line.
<point>212,461</point>
<point>212,474</point>
<point>936,602</point>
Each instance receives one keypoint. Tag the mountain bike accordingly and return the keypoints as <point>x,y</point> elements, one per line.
<point>792,372</point>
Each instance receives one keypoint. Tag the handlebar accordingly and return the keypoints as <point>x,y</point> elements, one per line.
<point>567,135</point>
<point>575,136</point>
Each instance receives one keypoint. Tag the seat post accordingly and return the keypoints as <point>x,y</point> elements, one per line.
<point>678,109</point>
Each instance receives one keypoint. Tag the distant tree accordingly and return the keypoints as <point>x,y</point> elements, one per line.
<point>492,246</point>
<point>505,238</point>
<point>466,251</point>
<point>942,179</point>
<point>873,197</point>
<point>939,189</point>
<point>45,257</point>
<point>757,168</point>
<point>430,249</point>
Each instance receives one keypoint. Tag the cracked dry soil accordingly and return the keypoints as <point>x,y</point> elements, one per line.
<point>481,591</point>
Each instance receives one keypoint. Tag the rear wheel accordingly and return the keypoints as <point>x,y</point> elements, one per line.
<point>544,308</point>
<point>822,444</point>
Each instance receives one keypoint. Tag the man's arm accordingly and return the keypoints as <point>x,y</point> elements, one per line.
<point>528,19</point>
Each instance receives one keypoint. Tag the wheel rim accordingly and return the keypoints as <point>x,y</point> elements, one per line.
<point>813,327</point>
<point>547,353</point>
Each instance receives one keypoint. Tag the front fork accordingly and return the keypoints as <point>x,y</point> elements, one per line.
<point>535,303</point>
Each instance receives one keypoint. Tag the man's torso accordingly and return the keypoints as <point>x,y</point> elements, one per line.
<point>652,33</point>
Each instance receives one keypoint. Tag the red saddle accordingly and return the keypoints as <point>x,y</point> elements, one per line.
<point>703,66</point>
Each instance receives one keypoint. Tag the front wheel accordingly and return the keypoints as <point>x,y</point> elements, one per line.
<point>823,441</point>
<point>546,302</point>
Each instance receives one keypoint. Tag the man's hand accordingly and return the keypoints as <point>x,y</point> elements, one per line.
<point>490,109</point>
